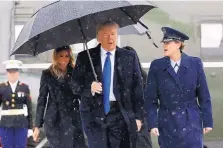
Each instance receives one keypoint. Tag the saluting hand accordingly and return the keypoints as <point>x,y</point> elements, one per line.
<point>36,134</point>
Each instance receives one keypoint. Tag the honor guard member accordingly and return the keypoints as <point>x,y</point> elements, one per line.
<point>16,112</point>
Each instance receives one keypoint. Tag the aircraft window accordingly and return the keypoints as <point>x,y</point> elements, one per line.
<point>211,42</point>
<point>211,35</point>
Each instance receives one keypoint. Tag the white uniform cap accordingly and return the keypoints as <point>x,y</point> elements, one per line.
<point>13,64</point>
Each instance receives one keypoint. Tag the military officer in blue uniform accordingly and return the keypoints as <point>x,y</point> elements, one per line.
<point>16,112</point>
<point>177,97</point>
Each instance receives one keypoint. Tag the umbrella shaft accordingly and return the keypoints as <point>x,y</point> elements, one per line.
<point>91,62</point>
<point>90,59</point>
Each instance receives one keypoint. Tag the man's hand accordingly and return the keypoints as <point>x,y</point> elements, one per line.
<point>36,134</point>
<point>155,131</point>
<point>207,130</point>
<point>96,87</point>
<point>139,124</point>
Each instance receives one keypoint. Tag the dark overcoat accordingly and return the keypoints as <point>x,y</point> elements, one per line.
<point>143,136</point>
<point>128,91</point>
<point>62,121</point>
<point>183,102</point>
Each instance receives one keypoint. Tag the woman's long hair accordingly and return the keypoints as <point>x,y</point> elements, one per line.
<point>54,68</point>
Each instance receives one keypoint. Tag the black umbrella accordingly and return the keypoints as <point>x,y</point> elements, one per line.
<point>69,22</point>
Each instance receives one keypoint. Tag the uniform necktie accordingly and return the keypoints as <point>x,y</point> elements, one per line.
<point>176,67</point>
<point>106,83</point>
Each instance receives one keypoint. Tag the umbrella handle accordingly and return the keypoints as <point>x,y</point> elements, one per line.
<point>91,62</point>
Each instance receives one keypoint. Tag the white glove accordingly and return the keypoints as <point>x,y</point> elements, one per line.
<point>29,133</point>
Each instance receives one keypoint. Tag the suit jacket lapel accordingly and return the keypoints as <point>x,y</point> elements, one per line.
<point>184,68</point>
<point>117,74</point>
<point>171,71</point>
<point>9,88</point>
<point>96,58</point>
<point>184,65</point>
<point>17,87</point>
<point>174,75</point>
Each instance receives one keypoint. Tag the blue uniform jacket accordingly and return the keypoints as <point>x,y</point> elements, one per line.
<point>179,104</point>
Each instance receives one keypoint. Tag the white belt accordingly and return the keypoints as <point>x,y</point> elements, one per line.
<point>11,112</point>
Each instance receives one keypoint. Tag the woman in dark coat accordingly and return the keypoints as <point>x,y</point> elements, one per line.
<point>144,138</point>
<point>178,101</point>
<point>62,121</point>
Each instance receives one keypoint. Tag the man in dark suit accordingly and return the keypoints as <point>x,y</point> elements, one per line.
<point>112,107</point>
<point>143,137</point>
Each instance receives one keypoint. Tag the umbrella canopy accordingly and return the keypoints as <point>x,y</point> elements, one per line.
<point>69,22</point>
<point>136,29</point>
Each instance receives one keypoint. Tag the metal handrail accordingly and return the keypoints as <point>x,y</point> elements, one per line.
<point>42,143</point>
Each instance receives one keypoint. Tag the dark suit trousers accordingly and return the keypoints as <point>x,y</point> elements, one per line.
<point>117,132</point>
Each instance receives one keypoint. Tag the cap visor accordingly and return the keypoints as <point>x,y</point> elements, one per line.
<point>12,70</point>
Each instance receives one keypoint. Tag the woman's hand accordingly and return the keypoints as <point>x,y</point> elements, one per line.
<point>36,134</point>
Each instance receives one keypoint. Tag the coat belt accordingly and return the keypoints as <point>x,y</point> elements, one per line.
<point>180,105</point>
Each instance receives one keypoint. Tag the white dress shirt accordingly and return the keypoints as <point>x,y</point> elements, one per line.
<point>174,63</point>
<point>112,59</point>
<point>13,86</point>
